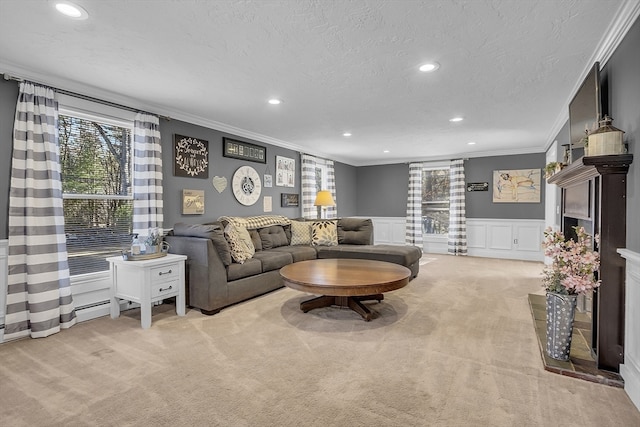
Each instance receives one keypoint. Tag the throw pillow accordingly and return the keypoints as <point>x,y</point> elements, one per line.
<point>300,233</point>
<point>324,233</point>
<point>240,243</point>
<point>273,237</point>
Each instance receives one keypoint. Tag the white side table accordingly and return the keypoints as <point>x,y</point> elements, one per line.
<point>146,282</point>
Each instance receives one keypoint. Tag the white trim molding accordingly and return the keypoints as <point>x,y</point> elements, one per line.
<point>505,238</point>
<point>4,273</point>
<point>630,369</point>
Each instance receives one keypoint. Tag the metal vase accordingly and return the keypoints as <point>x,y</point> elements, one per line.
<point>560,315</point>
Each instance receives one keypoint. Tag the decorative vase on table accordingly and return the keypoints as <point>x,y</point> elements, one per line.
<point>560,316</point>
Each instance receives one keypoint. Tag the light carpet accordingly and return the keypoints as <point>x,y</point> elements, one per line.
<point>456,347</point>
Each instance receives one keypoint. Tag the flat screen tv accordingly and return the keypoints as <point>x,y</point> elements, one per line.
<point>585,107</point>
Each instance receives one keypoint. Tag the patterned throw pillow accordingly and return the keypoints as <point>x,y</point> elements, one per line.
<point>324,233</point>
<point>300,233</point>
<point>240,243</point>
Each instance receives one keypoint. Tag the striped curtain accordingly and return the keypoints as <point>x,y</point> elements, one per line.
<point>39,301</point>
<point>147,174</point>
<point>457,244</point>
<point>310,185</point>
<point>414,206</point>
<point>332,211</point>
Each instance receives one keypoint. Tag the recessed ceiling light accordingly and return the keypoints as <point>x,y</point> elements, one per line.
<point>429,67</point>
<point>471,143</point>
<point>71,10</point>
<point>346,134</point>
<point>275,101</point>
<point>385,151</point>
<point>456,119</point>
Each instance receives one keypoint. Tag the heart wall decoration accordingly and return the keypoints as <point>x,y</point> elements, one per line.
<point>219,183</point>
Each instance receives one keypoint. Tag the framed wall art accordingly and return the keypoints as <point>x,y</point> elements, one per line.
<point>516,186</point>
<point>192,202</point>
<point>285,172</point>
<point>289,200</point>
<point>191,157</point>
<point>243,150</point>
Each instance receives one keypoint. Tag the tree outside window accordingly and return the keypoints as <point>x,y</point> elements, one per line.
<point>95,159</point>
<point>435,201</point>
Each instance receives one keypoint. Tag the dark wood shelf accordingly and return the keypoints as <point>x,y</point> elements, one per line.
<point>588,167</point>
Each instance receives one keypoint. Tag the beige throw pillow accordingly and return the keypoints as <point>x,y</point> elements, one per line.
<point>240,243</point>
<point>300,233</point>
<point>324,233</point>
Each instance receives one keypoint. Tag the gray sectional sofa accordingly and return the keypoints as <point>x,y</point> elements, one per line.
<point>215,280</point>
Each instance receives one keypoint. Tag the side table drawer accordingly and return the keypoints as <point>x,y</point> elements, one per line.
<point>165,273</point>
<point>165,289</point>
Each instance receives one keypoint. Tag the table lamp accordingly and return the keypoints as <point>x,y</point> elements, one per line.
<point>324,199</point>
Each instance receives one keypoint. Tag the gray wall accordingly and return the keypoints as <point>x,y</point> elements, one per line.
<point>218,204</point>
<point>8,98</point>
<point>620,78</point>
<point>382,190</point>
<point>479,204</point>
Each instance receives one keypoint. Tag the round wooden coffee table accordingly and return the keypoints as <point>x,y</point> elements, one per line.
<point>344,282</point>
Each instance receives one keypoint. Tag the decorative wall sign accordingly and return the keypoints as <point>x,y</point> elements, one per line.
<point>285,172</point>
<point>219,183</point>
<point>192,202</point>
<point>477,186</point>
<point>267,204</point>
<point>246,185</point>
<point>289,200</point>
<point>243,150</point>
<point>191,157</point>
<point>516,186</point>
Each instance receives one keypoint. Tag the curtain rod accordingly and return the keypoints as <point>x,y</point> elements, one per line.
<point>84,97</point>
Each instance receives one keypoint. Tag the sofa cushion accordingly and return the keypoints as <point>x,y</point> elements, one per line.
<point>324,233</point>
<point>298,252</point>
<point>272,260</point>
<point>273,237</point>
<point>300,233</point>
<point>355,231</point>
<point>255,239</point>
<point>240,243</point>
<point>250,267</point>
<point>403,255</point>
<point>213,231</point>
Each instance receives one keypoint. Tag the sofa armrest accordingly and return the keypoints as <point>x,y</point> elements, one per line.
<point>206,273</point>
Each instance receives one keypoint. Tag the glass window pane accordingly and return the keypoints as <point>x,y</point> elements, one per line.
<point>435,201</point>
<point>95,162</point>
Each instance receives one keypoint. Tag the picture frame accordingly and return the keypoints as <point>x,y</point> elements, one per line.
<point>267,181</point>
<point>289,200</point>
<point>516,186</point>
<point>285,172</point>
<point>192,202</point>
<point>190,157</point>
<point>243,150</point>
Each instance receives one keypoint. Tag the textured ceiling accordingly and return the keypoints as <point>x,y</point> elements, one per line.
<point>508,67</point>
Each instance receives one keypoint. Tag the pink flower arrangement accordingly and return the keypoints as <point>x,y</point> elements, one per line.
<point>573,263</point>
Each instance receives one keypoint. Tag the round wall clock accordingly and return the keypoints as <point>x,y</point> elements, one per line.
<point>246,185</point>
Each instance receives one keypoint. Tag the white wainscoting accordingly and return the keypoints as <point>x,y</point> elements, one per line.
<point>630,369</point>
<point>506,238</point>
<point>4,251</point>
<point>389,230</point>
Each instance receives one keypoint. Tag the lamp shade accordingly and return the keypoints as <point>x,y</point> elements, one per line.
<point>324,198</point>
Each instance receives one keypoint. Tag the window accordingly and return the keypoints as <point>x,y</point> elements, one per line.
<point>435,201</point>
<point>95,160</point>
